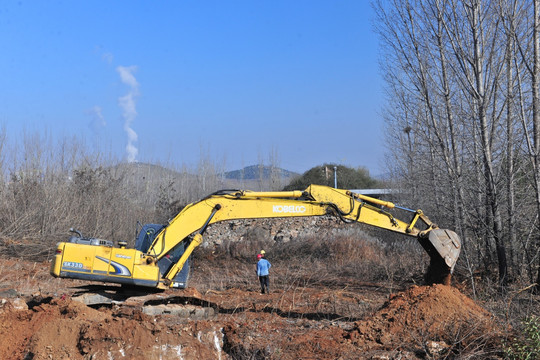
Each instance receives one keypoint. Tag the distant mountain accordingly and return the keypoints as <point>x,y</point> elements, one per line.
<point>255,172</point>
<point>148,171</point>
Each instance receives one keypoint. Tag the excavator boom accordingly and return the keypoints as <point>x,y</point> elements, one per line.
<point>163,253</point>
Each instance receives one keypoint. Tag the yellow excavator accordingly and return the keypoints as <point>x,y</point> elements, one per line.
<point>160,258</point>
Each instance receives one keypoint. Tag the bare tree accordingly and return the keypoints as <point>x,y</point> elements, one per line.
<point>275,170</point>
<point>445,63</point>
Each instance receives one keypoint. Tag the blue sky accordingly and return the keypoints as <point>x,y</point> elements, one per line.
<point>234,80</point>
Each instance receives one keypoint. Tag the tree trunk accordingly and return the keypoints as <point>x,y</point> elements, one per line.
<point>536,116</point>
<point>491,186</point>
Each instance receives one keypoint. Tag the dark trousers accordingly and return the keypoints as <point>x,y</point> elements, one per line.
<point>265,282</point>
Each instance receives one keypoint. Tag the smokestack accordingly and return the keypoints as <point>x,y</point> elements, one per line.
<point>127,103</point>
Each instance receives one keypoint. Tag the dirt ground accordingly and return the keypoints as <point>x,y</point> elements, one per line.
<point>39,319</point>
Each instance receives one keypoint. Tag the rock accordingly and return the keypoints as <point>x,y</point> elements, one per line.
<point>436,348</point>
<point>19,304</point>
<point>8,293</point>
<point>181,311</point>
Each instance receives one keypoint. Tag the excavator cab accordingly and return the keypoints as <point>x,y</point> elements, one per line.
<point>145,239</point>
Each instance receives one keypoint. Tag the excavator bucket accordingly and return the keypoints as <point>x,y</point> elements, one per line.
<point>447,244</point>
<point>443,247</point>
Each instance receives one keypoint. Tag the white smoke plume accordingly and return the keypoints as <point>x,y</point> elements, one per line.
<point>98,121</point>
<point>97,124</point>
<point>127,103</point>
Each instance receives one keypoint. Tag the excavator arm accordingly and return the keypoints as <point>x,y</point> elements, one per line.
<point>189,225</point>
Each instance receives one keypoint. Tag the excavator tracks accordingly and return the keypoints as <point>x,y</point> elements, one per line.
<point>188,305</point>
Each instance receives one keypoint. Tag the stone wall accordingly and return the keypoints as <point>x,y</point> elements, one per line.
<point>276,230</point>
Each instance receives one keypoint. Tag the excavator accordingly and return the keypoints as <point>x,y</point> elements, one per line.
<point>161,255</point>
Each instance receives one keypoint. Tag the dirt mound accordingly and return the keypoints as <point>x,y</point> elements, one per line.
<point>65,329</point>
<point>433,319</point>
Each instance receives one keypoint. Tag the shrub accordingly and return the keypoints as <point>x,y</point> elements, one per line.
<point>347,178</point>
<point>527,346</point>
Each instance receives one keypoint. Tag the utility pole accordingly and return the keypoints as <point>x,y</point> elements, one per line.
<point>335,177</point>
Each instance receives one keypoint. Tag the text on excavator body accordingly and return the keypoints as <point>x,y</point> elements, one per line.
<point>289,209</point>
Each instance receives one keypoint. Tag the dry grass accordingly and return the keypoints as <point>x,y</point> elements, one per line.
<point>344,261</point>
